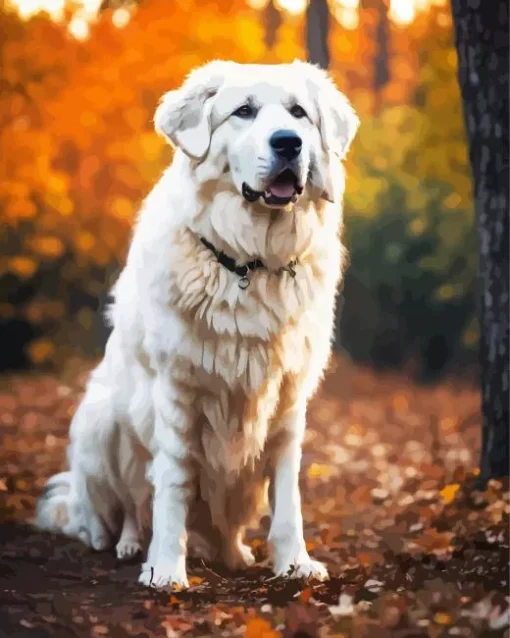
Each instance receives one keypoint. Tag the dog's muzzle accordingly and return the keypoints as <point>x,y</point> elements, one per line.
<point>283,190</point>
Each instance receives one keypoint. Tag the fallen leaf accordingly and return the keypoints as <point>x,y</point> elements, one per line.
<point>448,492</point>
<point>305,595</point>
<point>317,470</point>
<point>260,628</point>
<point>442,618</point>
<point>195,580</point>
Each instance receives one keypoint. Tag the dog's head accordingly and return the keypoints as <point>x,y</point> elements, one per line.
<point>273,128</point>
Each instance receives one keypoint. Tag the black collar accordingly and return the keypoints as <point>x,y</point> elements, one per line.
<point>242,270</point>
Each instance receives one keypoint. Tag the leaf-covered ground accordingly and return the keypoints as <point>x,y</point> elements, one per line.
<point>390,505</point>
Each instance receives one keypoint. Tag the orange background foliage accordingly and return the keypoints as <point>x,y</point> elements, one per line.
<point>78,151</point>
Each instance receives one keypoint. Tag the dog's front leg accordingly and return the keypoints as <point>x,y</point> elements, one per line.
<point>172,477</point>
<point>286,539</point>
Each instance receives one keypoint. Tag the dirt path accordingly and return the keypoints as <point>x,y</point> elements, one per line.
<point>388,477</point>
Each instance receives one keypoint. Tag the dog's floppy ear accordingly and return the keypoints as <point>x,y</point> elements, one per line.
<point>183,116</point>
<point>338,120</point>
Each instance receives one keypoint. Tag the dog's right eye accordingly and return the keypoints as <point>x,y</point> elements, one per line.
<point>245,111</point>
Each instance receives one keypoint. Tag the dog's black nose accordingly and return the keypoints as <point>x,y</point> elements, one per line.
<point>286,144</point>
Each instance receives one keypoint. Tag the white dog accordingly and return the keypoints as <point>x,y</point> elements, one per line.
<point>222,324</point>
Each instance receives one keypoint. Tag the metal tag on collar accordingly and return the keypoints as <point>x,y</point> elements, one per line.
<point>244,282</point>
<point>243,272</point>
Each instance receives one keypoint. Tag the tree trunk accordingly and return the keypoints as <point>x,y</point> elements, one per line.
<point>273,21</point>
<point>317,31</point>
<point>481,29</point>
<point>375,25</point>
<point>381,62</point>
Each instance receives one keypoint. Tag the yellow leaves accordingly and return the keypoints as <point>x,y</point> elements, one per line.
<point>40,351</point>
<point>416,199</point>
<point>20,209</point>
<point>84,241</point>
<point>448,424</point>
<point>260,628</point>
<point>82,152</point>
<point>59,204</point>
<point>448,493</point>
<point>400,403</point>
<point>453,200</point>
<point>151,145</point>
<point>310,545</point>
<point>195,580</point>
<point>417,226</point>
<point>57,184</point>
<point>318,470</point>
<point>251,33</point>
<point>135,117</point>
<point>448,291</point>
<point>122,208</point>
<point>65,207</point>
<point>177,587</point>
<point>380,162</point>
<point>46,246</point>
<point>442,618</point>
<point>87,119</point>
<point>23,266</point>
<point>364,192</point>
<point>14,189</point>
<point>55,192</point>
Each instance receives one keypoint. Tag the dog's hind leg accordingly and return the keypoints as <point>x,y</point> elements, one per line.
<point>81,502</point>
<point>85,520</point>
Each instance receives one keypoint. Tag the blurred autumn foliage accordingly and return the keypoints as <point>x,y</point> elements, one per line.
<point>78,154</point>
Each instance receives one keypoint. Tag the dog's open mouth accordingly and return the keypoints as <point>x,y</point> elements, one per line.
<point>283,190</point>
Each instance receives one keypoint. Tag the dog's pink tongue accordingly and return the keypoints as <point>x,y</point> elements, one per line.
<point>282,190</point>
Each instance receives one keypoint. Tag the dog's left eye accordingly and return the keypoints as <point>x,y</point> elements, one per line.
<point>245,111</point>
<point>297,111</point>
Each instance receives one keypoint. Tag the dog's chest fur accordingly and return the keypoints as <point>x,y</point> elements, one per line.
<point>239,346</point>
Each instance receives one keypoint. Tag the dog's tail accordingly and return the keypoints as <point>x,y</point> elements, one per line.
<point>65,507</point>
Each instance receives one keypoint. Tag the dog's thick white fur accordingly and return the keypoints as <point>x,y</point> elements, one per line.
<point>200,399</point>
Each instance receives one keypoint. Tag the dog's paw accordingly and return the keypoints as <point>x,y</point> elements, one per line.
<point>307,568</point>
<point>167,575</point>
<point>247,557</point>
<point>128,548</point>
<point>239,557</point>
